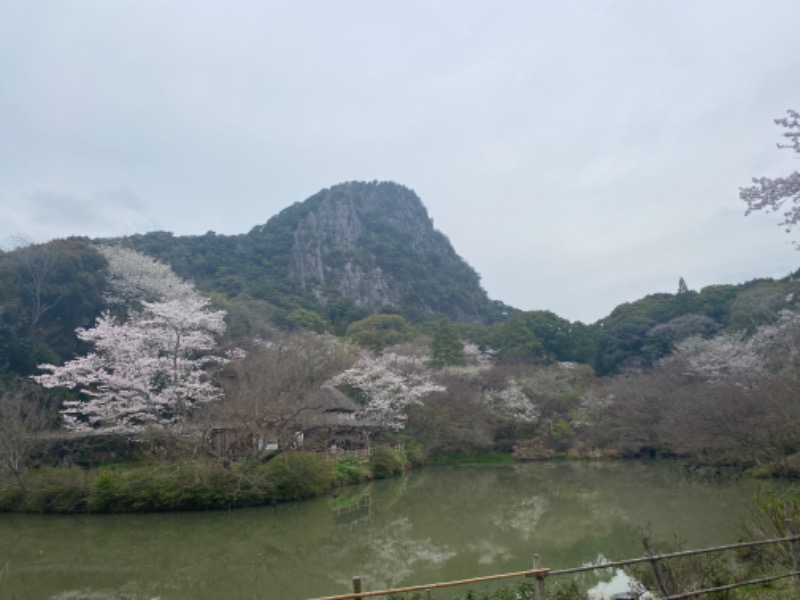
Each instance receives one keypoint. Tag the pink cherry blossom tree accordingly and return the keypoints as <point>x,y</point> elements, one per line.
<point>151,367</point>
<point>148,370</point>
<point>388,384</point>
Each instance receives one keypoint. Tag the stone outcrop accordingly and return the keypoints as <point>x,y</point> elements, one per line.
<point>347,251</point>
<point>374,244</point>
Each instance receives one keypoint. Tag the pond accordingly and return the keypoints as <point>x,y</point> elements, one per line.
<point>436,524</point>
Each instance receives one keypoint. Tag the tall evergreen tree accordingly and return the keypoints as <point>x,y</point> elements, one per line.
<point>447,348</point>
<point>682,287</point>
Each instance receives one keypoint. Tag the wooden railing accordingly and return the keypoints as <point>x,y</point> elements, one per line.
<point>358,593</point>
<point>540,573</point>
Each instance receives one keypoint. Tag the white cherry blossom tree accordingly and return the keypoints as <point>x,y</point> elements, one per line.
<point>146,368</point>
<point>511,402</point>
<point>135,277</point>
<point>388,383</point>
<point>771,351</point>
<point>726,357</point>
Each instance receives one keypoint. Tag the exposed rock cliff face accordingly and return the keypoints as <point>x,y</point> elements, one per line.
<point>349,250</point>
<point>375,244</point>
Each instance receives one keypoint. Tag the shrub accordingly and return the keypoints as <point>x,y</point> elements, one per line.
<point>348,469</point>
<point>11,498</point>
<point>103,494</point>
<point>415,454</point>
<point>769,512</point>
<point>186,485</point>
<point>162,487</point>
<point>385,462</point>
<point>296,475</point>
<point>687,574</point>
<point>250,482</point>
<point>56,490</point>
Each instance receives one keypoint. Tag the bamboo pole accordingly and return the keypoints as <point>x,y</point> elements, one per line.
<point>633,561</point>
<point>794,546</point>
<point>793,539</point>
<point>654,565</point>
<point>357,585</point>
<point>434,586</point>
<point>541,592</point>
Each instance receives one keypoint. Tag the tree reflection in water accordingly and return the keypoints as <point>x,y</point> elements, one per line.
<point>433,525</point>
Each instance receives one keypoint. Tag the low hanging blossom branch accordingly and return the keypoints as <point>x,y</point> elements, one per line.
<point>773,194</point>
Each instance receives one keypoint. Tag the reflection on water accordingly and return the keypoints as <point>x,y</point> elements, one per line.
<point>433,525</point>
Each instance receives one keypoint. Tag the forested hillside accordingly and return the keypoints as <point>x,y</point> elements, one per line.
<point>348,252</point>
<point>350,319</point>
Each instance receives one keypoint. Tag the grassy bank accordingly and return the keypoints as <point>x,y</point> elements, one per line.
<point>191,484</point>
<point>151,485</point>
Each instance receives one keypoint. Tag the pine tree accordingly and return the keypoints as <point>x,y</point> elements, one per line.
<point>682,287</point>
<point>446,346</point>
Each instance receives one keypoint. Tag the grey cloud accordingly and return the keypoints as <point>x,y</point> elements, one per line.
<point>577,154</point>
<point>42,215</point>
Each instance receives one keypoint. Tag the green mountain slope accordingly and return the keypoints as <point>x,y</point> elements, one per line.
<point>355,248</point>
<point>349,251</point>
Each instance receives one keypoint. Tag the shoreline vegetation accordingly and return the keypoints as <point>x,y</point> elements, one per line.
<point>177,399</point>
<point>204,483</point>
<point>195,483</point>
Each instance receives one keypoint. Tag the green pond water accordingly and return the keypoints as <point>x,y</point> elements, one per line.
<point>436,524</point>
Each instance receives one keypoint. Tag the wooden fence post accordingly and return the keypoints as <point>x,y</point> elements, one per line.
<point>654,565</point>
<point>541,592</point>
<point>794,546</point>
<point>357,589</point>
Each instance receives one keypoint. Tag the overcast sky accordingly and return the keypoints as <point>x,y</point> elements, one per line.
<point>577,154</point>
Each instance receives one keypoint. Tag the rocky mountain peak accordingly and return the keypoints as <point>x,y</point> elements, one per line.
<point>375,244</point>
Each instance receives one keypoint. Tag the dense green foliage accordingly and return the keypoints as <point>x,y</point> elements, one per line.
<point>376,332</point>
<point>447,349</point>
<point>769,513</point>
<point>179,485</point>
<point>639,333</point>
<point>149,485</point>
<point>48,290</point>
<point>348,469</point>
<point>386,462</point>
<point>258,265</point>
<point>535,335</point>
